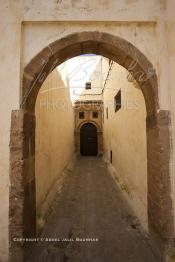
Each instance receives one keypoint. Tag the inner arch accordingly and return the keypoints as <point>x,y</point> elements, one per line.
<point>107,45</point>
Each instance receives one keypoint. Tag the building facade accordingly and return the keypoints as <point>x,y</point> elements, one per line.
<point>88,112</point>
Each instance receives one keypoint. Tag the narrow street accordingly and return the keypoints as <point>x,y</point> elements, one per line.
<point>90,206</point>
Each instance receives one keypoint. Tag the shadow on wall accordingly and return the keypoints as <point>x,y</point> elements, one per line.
<point>54,140</point>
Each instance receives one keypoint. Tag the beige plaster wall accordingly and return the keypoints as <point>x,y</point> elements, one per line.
<point>125,135</point>
<point>10,27</point>
<point>170,31</point>
<point>27,26</point>
<point>54,137</point>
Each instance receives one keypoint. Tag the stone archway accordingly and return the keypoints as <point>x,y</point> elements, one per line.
<point>22,145</point>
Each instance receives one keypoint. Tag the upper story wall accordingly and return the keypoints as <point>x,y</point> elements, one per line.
<point>95,78</point>
<point>35,24</point>
<point>83,10</point>
<point>76,72</point>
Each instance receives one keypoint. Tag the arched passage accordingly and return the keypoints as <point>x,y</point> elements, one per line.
<point>22,145</point>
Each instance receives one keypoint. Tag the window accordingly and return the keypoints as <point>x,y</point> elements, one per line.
<point>81,115</point>
<point>117,101</point>
<point>95,114</point>
<point>88,85</point>
<point>106,112</point>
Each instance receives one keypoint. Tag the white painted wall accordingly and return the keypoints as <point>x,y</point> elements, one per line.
<point>78,70</point>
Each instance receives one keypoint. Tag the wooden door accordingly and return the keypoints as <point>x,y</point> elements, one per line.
<point>88,140</point>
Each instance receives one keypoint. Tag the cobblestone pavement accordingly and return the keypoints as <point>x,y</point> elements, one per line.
<point>91,206</point>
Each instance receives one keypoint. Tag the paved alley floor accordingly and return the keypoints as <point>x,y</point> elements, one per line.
<point>91,207</point>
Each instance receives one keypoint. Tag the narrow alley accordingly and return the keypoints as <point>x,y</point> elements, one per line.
<point>91,206</point>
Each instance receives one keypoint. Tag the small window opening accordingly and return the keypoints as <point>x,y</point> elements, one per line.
<point>88,85</point>
<point>117,101</point>
<point>81,115</point>
<point>95,114</point>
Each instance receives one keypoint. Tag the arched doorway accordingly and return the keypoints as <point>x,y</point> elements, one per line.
<point>22,145</point>
<point>88,140</point>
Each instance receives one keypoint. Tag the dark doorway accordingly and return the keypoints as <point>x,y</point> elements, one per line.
<point>88,140</point>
